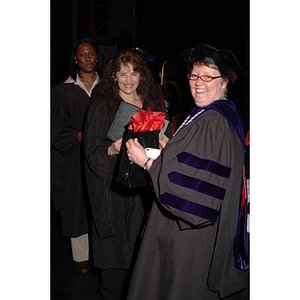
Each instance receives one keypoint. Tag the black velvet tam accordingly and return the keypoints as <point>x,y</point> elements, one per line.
<point>224,59</point>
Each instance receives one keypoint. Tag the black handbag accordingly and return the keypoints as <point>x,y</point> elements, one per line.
<point>130,174</point>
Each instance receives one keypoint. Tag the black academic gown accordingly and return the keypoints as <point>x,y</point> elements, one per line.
<point>187,251</point>
<point>69,104</point>
<point>117,211</point>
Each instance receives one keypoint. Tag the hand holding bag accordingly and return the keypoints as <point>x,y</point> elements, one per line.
<point>145,126</point>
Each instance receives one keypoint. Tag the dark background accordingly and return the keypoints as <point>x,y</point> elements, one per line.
<point>163,28</point>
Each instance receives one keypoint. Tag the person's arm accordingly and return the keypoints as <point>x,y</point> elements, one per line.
<point>115,147</point>
<point>137,154</point>
<point>95,143</point>
<point>163,142</point>
<point>79,136</point>
<point>63,132</point>
<point>190,177</point>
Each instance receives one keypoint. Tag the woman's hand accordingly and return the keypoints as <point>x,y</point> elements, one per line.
<point>163,142</point>
<point>136,153</point>
<point>115,147</point>
<point>79,136</point>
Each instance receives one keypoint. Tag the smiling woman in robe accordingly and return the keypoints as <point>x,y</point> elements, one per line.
<point>191,247</point>
<point>117,211</point>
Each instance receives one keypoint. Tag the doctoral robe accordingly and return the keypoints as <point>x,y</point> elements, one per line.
<point>187,250</point>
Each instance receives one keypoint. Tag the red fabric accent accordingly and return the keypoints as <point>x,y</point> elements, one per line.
<point>247,140</point>
<point>147,120</point>
<point>244,192</point>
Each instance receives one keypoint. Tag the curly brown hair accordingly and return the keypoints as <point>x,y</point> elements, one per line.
<point>108,90</point>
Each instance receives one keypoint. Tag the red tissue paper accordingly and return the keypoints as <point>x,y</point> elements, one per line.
<point>147,120</point>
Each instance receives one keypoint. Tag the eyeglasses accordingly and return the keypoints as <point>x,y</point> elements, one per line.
<point>205,78</point>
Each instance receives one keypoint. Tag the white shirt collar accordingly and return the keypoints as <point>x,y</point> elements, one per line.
<point>80,83</point>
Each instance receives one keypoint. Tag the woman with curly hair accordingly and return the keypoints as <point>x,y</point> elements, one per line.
<point>118,212</point>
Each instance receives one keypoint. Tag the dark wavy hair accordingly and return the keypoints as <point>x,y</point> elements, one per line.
<point>73,66</point>
<point>108,89</point>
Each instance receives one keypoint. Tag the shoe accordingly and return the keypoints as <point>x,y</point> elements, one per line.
<point>82,266</point>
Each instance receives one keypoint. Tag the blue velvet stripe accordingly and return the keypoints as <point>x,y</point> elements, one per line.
<point>204,164</point>
<point>197,185</point>
<point>228,110</point>
<point>190,207</point>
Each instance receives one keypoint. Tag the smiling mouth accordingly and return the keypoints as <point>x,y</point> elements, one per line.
<point>200,91</point>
